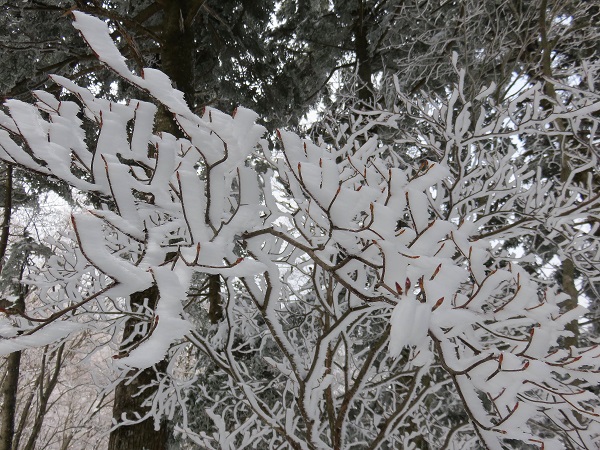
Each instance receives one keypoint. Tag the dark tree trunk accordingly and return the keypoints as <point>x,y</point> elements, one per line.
<point>177,50</point>
<point>363,58</point>
<point>9,396</point>
<point>215,309</point>
<point>567,265</point>
<point>177,62</point>
<point>13,363</point>
<point>129,400</point>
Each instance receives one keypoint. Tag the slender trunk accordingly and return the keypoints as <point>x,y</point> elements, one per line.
<point>46,389</point>
<point>66,442</point>
<point>567,265</point>
<point>363,59</point>
<point>9,405</point>
<point>10,383</point>
<point>215,308</point>
<point>24,416</point>
<point>7,213</point>
<point>16,434</point>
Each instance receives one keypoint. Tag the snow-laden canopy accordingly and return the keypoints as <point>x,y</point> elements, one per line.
<point>363,304</point>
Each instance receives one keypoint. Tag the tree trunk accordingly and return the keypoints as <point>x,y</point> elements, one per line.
<point>128,398</point>
<point>11,381</point>
<point>9,395</point>
<point>24,415</point>
<point>8,182</point>
<point>177,50</point>
<point>567,265</point>
<point>215,308</point>
<point>363,59</point>
<point>46,388</point>
<point>177,61</point>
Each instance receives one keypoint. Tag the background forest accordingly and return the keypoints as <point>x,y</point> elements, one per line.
<point>340,225</point>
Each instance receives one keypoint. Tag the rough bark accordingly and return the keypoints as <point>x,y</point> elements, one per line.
<point>5,226</point>
<point>24,415</point>
<point>177,61</point>
<point>7,213</point>
<point>177,48</point>
<point>567,265</point>
<point>363,59</point>
<point>215,308</point>
<point>128,399</point>
<point>13,363</point>
<point>9,395</point>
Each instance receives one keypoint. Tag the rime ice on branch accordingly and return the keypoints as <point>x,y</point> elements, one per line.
<point>364,307</point>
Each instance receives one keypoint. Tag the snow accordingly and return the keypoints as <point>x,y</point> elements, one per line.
<point>96,34</point>
<point>13,153</point>
<point>92,242</point>
<point>47,335</point>
<point>194,202</point>
<point>333,262</point>
<point>419,209</point>
<point>409,325</point>
<point>143,126</point>
<point>122,186</point>
<point>170,325</point>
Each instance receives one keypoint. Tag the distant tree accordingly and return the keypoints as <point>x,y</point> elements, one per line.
<point>221,53</point>
<point>35,383</point>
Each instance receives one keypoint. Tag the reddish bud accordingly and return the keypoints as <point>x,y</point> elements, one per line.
<point>436,271</point>
<point>398,288</point>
